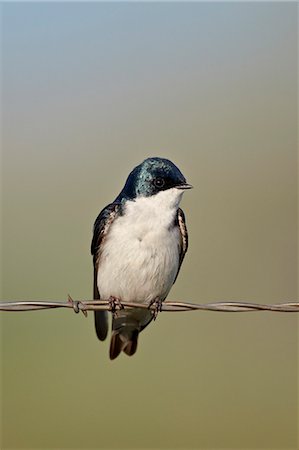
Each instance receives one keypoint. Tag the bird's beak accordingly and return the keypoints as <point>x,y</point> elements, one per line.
<point>184,186</point>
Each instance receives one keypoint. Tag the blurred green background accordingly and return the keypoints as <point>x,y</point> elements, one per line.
<point>89,91</point>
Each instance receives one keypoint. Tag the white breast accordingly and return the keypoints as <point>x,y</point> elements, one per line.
<point>140,256</point>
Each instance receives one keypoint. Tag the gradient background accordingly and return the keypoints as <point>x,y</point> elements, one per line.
<point>89,90</point>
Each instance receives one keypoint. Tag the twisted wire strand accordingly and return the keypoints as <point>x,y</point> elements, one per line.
<point>97,305</point>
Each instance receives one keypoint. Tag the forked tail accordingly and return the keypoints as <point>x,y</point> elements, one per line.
<point>124,337</point>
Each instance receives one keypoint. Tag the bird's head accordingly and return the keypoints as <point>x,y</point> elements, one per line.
<point>152,176</point>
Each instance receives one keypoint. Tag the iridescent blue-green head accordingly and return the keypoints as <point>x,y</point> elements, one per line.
<point>152,176</point>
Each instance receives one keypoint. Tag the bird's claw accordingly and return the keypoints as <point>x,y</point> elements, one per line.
<point>155,306</point>
<point>115,305</point>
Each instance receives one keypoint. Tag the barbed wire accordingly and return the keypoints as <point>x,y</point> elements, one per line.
<point>114,306</point>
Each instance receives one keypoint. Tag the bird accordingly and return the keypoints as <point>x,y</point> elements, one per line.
<point>138,246</point>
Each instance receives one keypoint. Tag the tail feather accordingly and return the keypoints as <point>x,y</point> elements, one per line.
<point>123,340</point>
<point>116,345</point>
<point>131,346</point>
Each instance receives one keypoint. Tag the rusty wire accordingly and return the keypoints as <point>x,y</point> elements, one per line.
<point>97,305</point>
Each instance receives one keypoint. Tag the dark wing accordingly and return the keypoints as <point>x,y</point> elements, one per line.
<point>181,223</point>
<point>100,230</point>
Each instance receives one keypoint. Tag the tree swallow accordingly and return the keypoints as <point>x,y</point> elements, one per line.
<point>139,243</point>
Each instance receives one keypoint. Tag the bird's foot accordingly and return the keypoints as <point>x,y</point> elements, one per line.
<point>115,305</point>
<point>155,306</point>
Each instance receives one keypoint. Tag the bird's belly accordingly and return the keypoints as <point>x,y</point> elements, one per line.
<point>138,266</point>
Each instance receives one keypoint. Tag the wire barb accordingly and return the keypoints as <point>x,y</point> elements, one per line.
<point>77,305</point>
<point>106,305</point>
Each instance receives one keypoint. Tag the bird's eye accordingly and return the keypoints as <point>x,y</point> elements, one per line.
<point>159,182</point>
